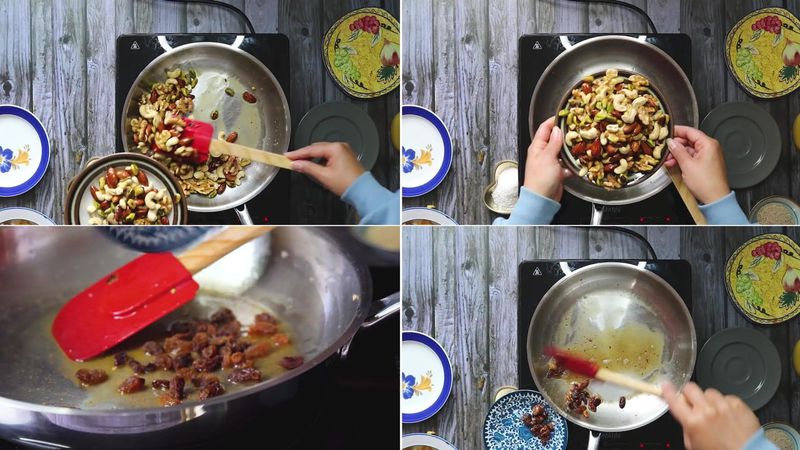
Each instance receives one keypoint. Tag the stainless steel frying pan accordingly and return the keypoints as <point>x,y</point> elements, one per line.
<point>265,125</point>
<point>308,280</point>
<point>624,53</point>
<point>600,300</point>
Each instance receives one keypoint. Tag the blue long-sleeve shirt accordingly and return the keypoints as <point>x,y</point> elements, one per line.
<point>533,209</point>
<point>759,442</point>
<point>375,204</point>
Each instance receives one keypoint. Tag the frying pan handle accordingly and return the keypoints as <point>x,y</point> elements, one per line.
<point>594,440</point>
<point>597,214</point>
<point>244,215</point>
<point>381,309</point>
<point>385,307</point>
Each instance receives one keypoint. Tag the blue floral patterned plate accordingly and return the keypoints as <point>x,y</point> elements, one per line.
<point>427,151</point>
<point>423,440</point>
<point>426,377</point>
<point>503,428</point>
<point>24,151</point>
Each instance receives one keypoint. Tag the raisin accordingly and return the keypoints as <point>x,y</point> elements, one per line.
<point>212,389</point>
<point>120,359</point>
<point>257,350</point>
<point>153,348</point>
<point>181,326</point>
<point>207,364</point>
<point>222,316</point>
<point>209,351</point>
<point>291,362</point>
<point>244,375</point>
<point>200,341</point>
<point>91,377</point>
<point>174,344</point>
<point>232,329</point>
<point>161,385</point>
<point>182,360</point>
<point>131,384</point>
<point>263,329</point>
<point>232,137</point>
<point>176,386</point>
<point>163,361</point>
<point>622,402</point>
<point>203,380</point>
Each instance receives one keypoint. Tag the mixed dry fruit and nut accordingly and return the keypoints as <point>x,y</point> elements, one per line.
<point>124,196</point>
<point>616,128</point>
<point>157,133</point>
<point>195,352</point>
<point>538,422</point>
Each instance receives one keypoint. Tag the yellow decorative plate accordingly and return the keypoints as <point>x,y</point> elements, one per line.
<point>362,52</point>
<point>763,52</point>
<point>763,278</point>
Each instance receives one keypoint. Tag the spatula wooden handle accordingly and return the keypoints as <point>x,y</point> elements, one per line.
<point>687,196</point>
<point>228,240</point>
<point>629,382</point>
<point>272,159</point>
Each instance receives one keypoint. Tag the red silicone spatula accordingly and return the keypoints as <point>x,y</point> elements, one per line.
<point>582,366</point>
<point>202,135</point>
<point>138,294</point>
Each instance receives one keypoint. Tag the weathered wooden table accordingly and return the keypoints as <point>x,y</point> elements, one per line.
<point>57,59</point>
<point>460,286</point>
<point>461,62</point>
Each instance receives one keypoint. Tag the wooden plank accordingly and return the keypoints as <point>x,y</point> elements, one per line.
<point>304,25</point>
<point>614,19</point>
<point>793,110</point>
<point>665,14</point>
<point>470,135</point>
<point>159,17</point>
<point>665,240</point>
<point>610,244</point>
<point>100,77</point>
<point>561,243</point>
<point>471,352</point>
<point>15,54</point>
<point>502,299</point>
<point>212,19</point>
<point>562,17</point>
<point>418,280</point>
<point>264,15</point>
<point>418,53</point>
<point>69,127</point>
<point>703,248</point>
<point>502,88</point>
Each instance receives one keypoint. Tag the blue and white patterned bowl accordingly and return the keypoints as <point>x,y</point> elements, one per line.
<point>503,428</point>
<point>155,238</point>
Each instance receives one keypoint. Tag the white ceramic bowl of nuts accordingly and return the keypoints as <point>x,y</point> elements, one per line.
<point>125,189</point>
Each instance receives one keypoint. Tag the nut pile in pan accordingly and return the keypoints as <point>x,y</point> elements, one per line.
<point>125,197</point>
<point>615,127</point>
<point>157,133</point>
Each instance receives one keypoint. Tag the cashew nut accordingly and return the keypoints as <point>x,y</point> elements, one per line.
<point>644,117</point>
<point>583,172</point>
<point>631,94</point>
<point>657,151</point>
<point>612,128</point>
<point>603,139</point>
<point>148,112</point>
<point>175,73</point>
<point>639,102</point>
<point>568,138</point>
<point>590,134</point>
<point>625,150</point>
<point>95,221</point>
<point>172,142</point>
<point>619,102</point>
<point>612,73</point>
<point>622,168</point>
<point>152,215</point>
<point>630,115</point>
<point>656,132</point>
<point>664,133</point>
<point>149,201</point>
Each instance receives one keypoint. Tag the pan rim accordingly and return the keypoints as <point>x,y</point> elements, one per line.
<point>662,172</point>
<point>189,47</point>
<point>624,266</point>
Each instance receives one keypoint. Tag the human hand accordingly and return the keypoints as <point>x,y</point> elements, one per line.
<point>339,170</point>
<point>544,174</point>
<point>711,420</point>
<point>701,162</point>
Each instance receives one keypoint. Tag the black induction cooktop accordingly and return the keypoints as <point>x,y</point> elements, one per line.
<point>535,279</point>
<point>135,52</point>
<point>536,52</point>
